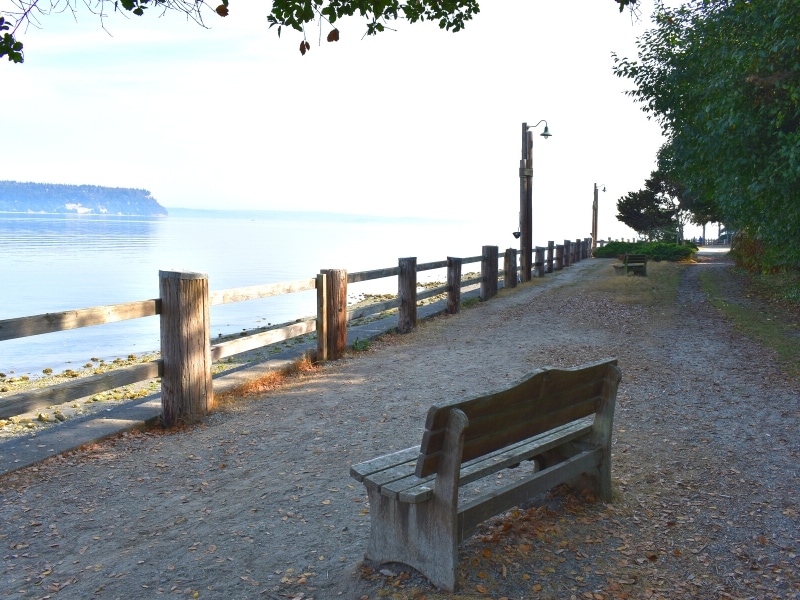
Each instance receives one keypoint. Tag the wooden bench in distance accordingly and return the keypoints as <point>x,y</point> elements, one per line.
<point>560,418</point>
<point>635,263</point>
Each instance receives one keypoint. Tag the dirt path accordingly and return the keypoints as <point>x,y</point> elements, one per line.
<point>258,503</point>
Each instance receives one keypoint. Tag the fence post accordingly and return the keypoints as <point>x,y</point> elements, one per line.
<point>550,249</point>
<point>567,253</point>
<point>322,317</point>
<point>510,268</point>
<point>578,250</point>
<point>453,285</point>
<point>336,309</point>
<point>588,243</point>
<point>407,293</point>
<point>559,258</point>
<point>488,272</point>
<point>187,394</point>
<point>538,263</point>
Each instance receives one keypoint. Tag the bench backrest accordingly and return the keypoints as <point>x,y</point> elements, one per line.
<point>545,399</point>
<point>635,258</point>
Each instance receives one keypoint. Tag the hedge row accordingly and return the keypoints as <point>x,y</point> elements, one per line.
<point>655,250</point>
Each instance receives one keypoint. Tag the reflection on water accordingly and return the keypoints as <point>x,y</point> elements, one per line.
<point>52,263</point>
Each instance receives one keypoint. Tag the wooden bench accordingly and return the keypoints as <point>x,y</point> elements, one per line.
<point>635,263</point>
<point>559,418</point>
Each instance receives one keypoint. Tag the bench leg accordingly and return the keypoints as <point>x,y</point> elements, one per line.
<point>423,535</point>
<point>417,535</point>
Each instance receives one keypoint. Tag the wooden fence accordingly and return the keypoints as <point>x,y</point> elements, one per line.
<point>186,350</point>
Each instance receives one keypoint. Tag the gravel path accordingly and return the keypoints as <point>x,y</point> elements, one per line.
<point>258,502</point>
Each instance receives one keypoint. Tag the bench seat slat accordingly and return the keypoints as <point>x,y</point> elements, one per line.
<point>413,489</point>
<point>365,469</point>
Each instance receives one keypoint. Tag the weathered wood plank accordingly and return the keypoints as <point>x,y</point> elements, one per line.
<point>254,292</point>
<point>259,340</point>
<point>431,292</point>
<point>415,489</point>
<point>72,319</point>
<point>364,469</point>
<point>23,402</point>
<point>440,264</point>
<point>375,274</point>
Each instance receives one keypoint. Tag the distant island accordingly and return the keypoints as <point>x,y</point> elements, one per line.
<point>53,198</point>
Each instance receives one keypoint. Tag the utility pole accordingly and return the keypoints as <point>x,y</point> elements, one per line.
<point>526,204</point>
<point>594,220</point>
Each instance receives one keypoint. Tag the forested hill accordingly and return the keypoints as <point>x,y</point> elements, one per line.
<point>77,199</point>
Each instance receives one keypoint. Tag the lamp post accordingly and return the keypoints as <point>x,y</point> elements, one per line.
<point>526,198</point>
<point>594,217</point>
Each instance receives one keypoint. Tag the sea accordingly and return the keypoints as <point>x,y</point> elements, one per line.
<point>53,263</point>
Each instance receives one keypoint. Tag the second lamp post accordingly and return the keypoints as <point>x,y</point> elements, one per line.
<point>526,198</point>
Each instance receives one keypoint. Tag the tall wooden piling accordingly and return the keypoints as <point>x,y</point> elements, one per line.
<point>510,268</point>
<point>453,285</point>
<point>336,312</point>
<point>186,391</point>
<point>488,272</point>
<point>407,294</point>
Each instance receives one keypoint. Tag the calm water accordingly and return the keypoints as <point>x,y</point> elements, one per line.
<point>52,263</point>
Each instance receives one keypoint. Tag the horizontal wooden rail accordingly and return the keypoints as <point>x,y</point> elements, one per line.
<point>369,275</point>
<point>371,309</point>
<point>466,282</point>
<point>72,319</point>
<point>259,340</point>
<point>260,291</point>
<point>80,388</point>
<point>441,264</point>
<point>430,293</point>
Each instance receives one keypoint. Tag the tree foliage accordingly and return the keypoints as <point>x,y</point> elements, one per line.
<point>451,15</point>
<point>722,77</point>
<point>658,211</point>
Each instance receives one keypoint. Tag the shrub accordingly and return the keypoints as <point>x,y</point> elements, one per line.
<point>655,250</point>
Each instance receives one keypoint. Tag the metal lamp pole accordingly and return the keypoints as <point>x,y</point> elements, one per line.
<point>526,198</point>
<point>594,218</point>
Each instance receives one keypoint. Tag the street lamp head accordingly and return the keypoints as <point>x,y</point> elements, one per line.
<point>546,133</point>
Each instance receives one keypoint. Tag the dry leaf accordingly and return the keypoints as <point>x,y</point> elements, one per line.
<point>481,589</point>
<point>333,36</point>
<point>222,10</point>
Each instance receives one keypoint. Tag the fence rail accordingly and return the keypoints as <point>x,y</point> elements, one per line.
<point>186,350</point>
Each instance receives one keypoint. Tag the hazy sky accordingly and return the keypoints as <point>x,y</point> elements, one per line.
<point>417,122</point>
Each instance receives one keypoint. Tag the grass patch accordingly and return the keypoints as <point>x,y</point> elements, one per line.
<point>659,289</point>
<point>762,315</point>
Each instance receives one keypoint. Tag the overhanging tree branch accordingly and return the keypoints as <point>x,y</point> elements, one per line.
<point>451,15</point>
